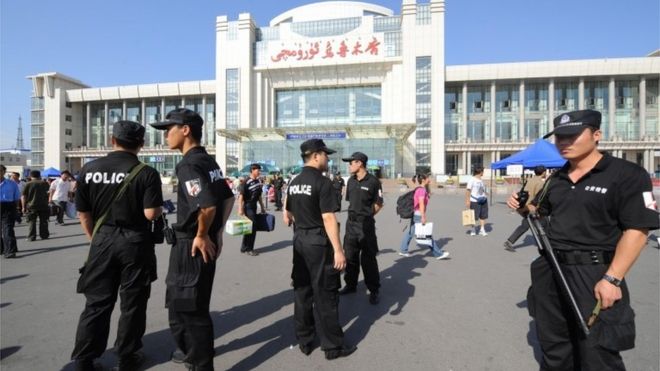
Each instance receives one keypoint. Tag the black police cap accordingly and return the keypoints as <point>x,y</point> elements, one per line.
<point>179,116</point>
<point>572,123</point>
<point>359,156</point>
<point>315,145</point>
<point>128,131</point>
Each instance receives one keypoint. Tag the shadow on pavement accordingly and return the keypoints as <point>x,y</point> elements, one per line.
<point>11,278</point>
<point>533,342</point>
<point>274,247</point>
<point>2,305</point>
<point>6,352</point>
<point>24,253</point>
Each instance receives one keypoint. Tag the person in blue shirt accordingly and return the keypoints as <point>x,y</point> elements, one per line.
<point>9,197</point>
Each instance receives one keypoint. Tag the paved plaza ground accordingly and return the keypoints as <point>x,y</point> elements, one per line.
<point>465,313</point>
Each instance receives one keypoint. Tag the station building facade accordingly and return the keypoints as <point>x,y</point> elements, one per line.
<point>363,79</point>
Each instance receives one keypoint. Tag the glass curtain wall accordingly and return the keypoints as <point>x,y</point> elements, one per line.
<point>597,97</point>
<point>566,97</point>
<point>453,112</point>
<point>209,121</point>
<point>627,109</point>
<point>651,126</point>
<point>232,92</point>
<point>423,114</point>
<point>97,125</point>
<point>478,113</point>
<point>536,110</point>
<point>133,109</point>
<point>152,137</point>
<point>507,102</point>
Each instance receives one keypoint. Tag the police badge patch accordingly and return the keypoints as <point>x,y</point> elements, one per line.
<point>649,201</point>
<point>193,187</point>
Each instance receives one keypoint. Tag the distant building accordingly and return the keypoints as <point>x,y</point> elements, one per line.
<point>361,78</point>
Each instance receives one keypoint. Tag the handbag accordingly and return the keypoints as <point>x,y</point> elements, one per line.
<point>424,233</point>
<point>468,217</point>
<point>71,210</point>
<point>265,222</point>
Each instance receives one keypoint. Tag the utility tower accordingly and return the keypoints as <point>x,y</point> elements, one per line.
<point>19,135</point>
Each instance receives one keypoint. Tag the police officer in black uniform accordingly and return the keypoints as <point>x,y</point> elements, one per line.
<point>365,195</point>
<point>600,210</point>
<point>317,253</point>
<point>278,183</point>
<point>338,184</point>
<point>204,202</point>
<point>121,254</point>
<point>249,195</point>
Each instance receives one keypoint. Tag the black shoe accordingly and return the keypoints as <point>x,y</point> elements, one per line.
<point>31,239</point>
<point>338,353</point>
<point>87,365</point>
<point>252,253</point>
<point>306,349</point>
<point>178,356</point>
<point>347,290</point>
<point>10,256</point>
<point>374,298</point>
<point>130,363</point>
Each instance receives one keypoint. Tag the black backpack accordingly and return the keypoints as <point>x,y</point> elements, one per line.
<point>405,204</point>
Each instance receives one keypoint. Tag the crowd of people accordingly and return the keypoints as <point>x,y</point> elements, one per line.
<point>597,210</point>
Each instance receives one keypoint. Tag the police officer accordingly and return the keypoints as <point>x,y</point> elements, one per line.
<point>122,250</point>
<point>317,253</point>
<point>365,195</point>
<point>338,184</point>
<point>600,210</point>
<point>9,200</point>
<point>34,199</point>
<point>278,183</point>
<point>204,202</point>
<point>249,195</point>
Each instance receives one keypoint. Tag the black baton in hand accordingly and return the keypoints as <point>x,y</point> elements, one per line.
<point>544,245</point>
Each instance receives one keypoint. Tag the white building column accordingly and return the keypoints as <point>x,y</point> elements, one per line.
<point>464,115</point>
<point>612,108</point>
<point>551,102</point>
<point>161,117</point>
<point>106,127</point>
<point>468,162</point>
<point>88,115</point>
<point>204,116</point>
<point>437,9</point>
<point>493,113</point>
<point>581,94</point>
<point>521,112</point>
<point>642,109</point>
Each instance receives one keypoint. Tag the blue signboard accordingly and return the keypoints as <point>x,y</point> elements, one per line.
<point>305,136</point>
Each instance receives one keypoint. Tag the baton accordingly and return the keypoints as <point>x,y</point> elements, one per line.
<point>543,243</point>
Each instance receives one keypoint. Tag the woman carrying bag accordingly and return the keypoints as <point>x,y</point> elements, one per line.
<point>421,200</point>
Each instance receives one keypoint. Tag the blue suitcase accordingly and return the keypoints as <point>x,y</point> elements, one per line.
<point>265,222</point>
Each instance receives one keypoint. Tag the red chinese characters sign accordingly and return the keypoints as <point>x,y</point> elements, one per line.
<point>331,49</point>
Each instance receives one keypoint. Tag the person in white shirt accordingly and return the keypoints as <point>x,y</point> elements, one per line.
<point>59,194</point>
<point>476,198</point>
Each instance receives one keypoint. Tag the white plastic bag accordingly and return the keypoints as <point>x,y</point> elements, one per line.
<point>71,210</point>
<point>424,233</point>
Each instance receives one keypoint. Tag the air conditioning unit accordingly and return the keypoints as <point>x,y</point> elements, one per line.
<point>478,104</point>
<point>507,103</point>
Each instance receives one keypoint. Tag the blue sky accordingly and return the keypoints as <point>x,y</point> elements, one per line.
<point>120,42</point>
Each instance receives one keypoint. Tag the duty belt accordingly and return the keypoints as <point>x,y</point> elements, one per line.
<point>360,218</point>
<point>582,257</point>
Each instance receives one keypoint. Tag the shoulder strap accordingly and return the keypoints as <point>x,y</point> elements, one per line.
<point>124,185</point>
<point>544,191</point>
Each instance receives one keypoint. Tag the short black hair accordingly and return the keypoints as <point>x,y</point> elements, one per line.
<point>65,172</point>
<point>196,132</point>
<point>3,167</point>
<point>478,170</point>
<point>255,167</point>
<point>539,170</point>
<point>131,146</point>
<point>35,174</point>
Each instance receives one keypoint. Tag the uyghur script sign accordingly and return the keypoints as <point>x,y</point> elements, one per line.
<point>335,49</point>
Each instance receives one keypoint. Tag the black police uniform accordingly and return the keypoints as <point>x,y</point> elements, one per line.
<point>251,191</point>
<point>36,200</point>
<point>360,242</point>
<point>278,183</point>
<point>587,219</point>
<point>189,281</point>
<point>315,280</point>
<point>121,254</point>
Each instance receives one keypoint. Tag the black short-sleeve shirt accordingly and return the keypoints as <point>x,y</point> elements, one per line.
<point>363,195</point>
<point>100,179</point>
<point>201,184</point>
<point>251,191</point>
<point>592,213</point>
<point>309,195</point>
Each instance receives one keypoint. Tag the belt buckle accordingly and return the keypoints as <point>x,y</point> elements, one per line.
<point>594,257</point>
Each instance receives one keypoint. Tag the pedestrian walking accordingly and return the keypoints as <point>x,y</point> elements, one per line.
<point>59,193</point>
<point>476,198</point>
<point>533,186</point>
<point>420,206</point>
<point>318,256</point>
<point>117,197</point>
<point>204,202</point>
<point>249,196</point>
<point>601,209</point>
<point>35,206</point>
<point>9,201</point>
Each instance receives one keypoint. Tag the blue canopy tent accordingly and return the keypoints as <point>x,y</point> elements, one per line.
<point>541,152</point>
<point>50,172</point>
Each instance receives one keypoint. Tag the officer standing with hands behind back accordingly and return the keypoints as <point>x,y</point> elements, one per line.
<point>317,253</point>
<point>600,211</point>
<point>365,195</point>
<point>121,255</point>
<point>204,202</point>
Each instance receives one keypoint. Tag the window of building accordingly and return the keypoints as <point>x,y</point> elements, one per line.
<point>477,160</point>
<point>423,111</point>
<point>68,132</point>
<point>68,118</point>
<point>67,104</point>
<point>329,27</point>
<point>209,121</point>
<point>232,93</point>
<point>133,111</point>
<point>232,30</point>
<point>423,15</point>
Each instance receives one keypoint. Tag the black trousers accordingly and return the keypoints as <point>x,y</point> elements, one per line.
<point>61,207</point>
<point>519,231</point>
<point>278,198</point>
<point>32,216</point>
<point>563,344</point>
<point>189,283</point>
<point>119,261</point>
<point>248,239</point>
<point>361,247</point>
<point>8,218</point>
<point>315,285</point>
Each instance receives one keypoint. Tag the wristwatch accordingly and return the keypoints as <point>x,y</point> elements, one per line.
<point>613,280</point>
